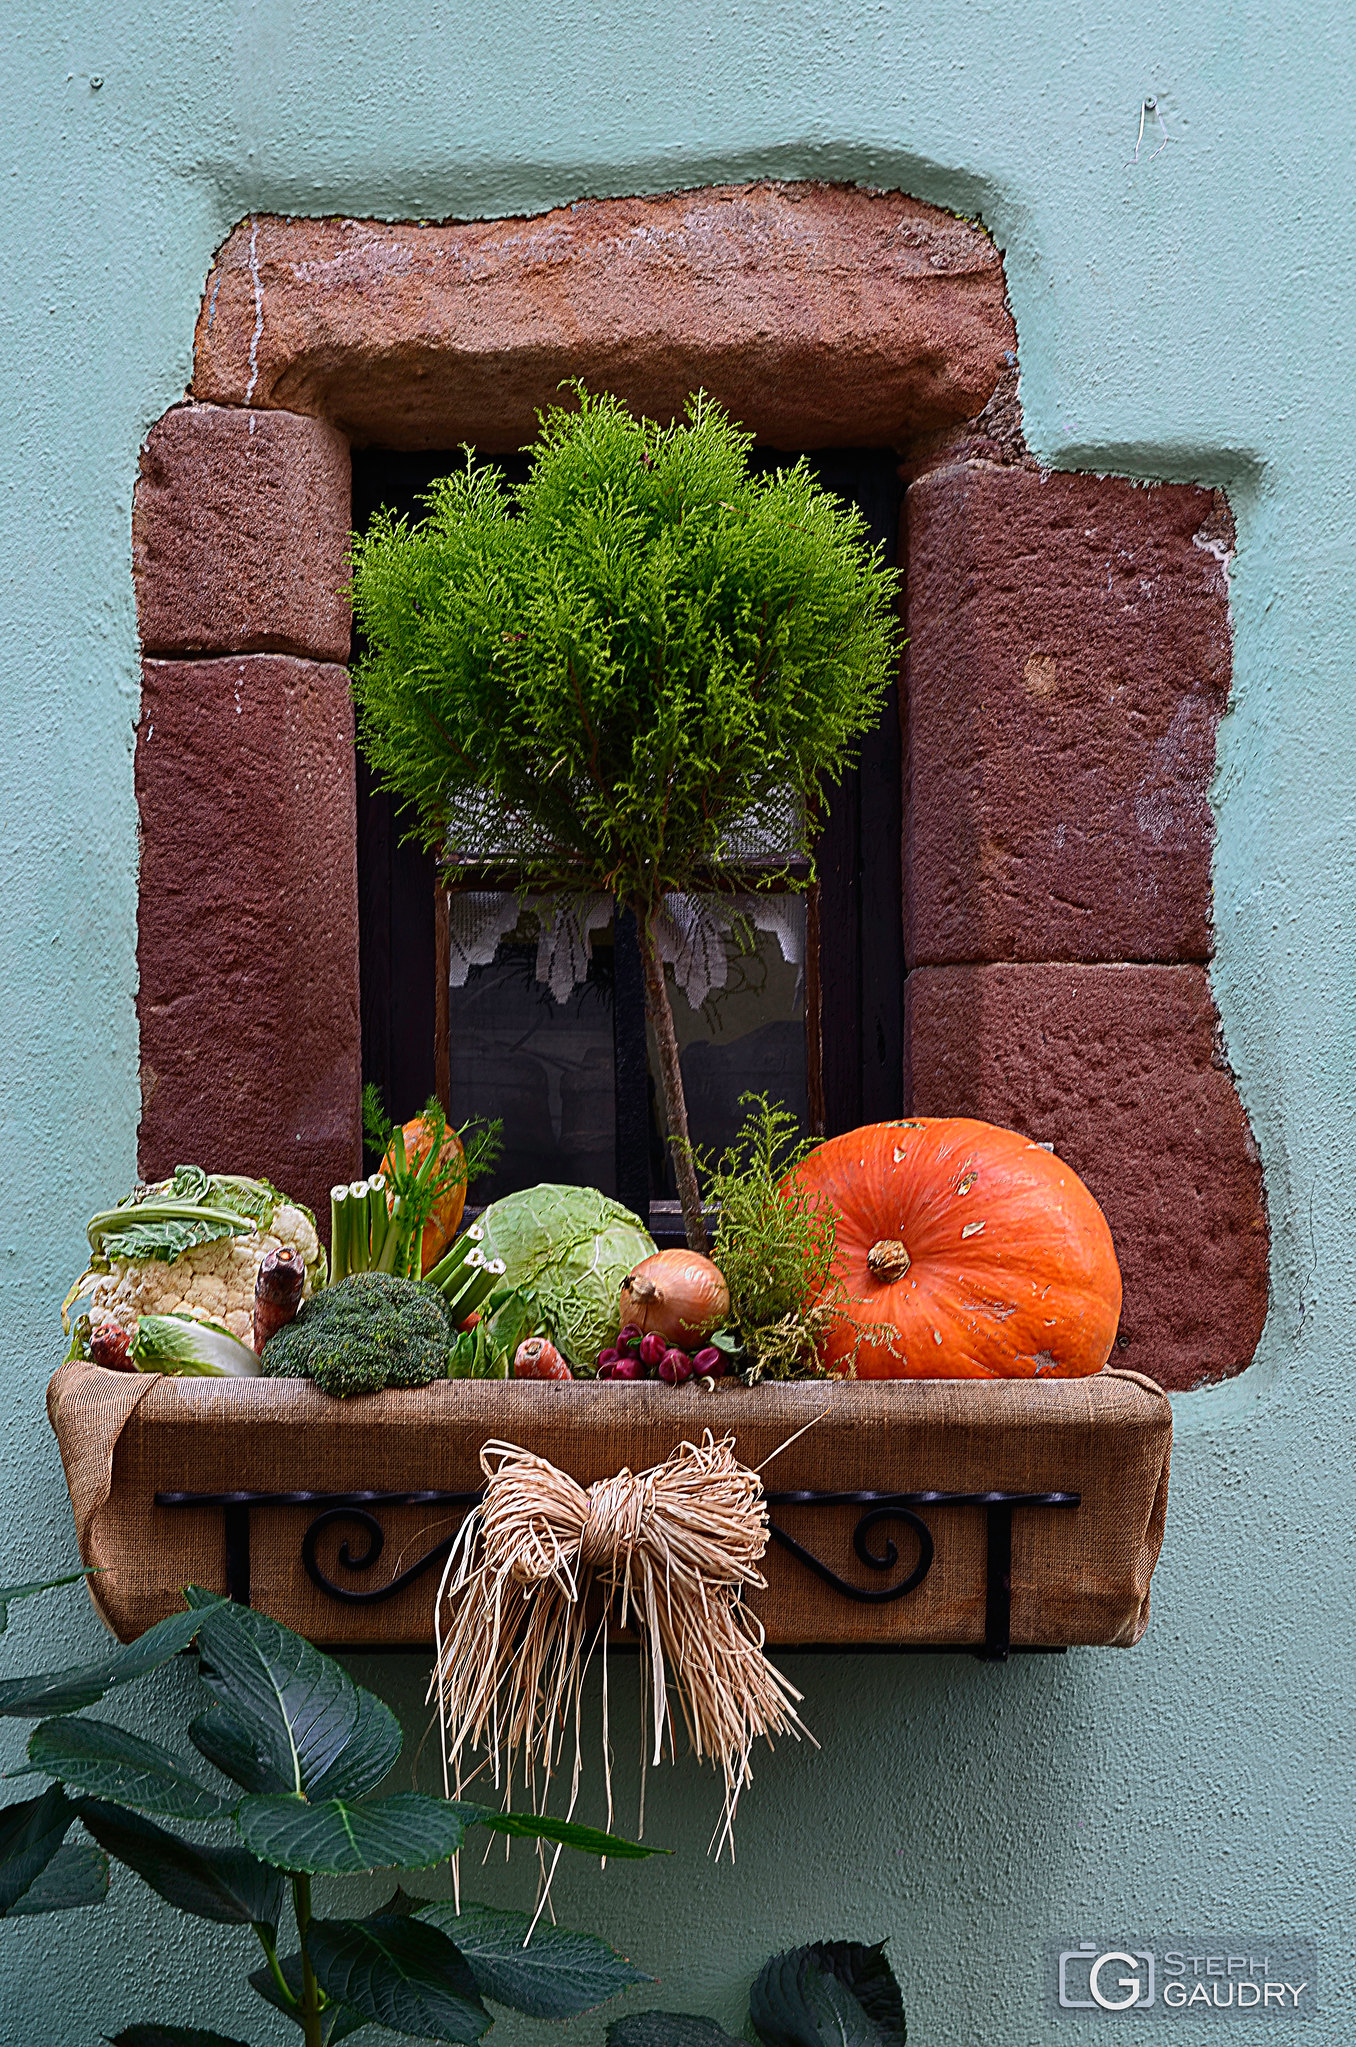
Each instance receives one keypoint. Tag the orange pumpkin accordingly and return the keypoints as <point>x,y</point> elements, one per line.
<point>441,1227</point>
<point>982,1253</point>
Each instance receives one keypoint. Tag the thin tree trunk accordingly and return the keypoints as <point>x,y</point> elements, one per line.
<point>675,1101</point>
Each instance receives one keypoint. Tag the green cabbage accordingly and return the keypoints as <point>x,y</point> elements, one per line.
<point>568,1249</point>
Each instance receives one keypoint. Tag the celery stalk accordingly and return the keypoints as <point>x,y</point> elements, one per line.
<point>360,1228</point>
<point>395,1231</point>
<point>379,1220</point>
<point>448,1270</point>
<point>478,1288</point>
<point>340,1218</point>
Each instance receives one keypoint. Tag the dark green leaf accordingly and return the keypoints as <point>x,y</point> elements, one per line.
<point>30,1835</point>
<point>667,2029</point>
<point>371,1751</point>
<point>865,1972</point>
<point>336,2020</point>
<point>107,1762</point>
<point>406,1831</point>
<point>170,2036</point>
<point>76,1875</point>
<point>542,1827</point>
<point>8,1592</point>
<point>398,1973</point>
<point>555,1976</point>
<point>67,1691</point>
<point>239,1752</point>
<point>224,1884</point>
<point>301,1709</point>
<point>797,2000</point>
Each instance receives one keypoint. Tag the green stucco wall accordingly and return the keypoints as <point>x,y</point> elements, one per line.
<point>1188,317</point>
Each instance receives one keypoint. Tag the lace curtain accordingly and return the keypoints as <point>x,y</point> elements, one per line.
<point>691,932</point>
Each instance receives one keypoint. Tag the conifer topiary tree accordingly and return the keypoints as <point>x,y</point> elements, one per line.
<point>607,674</point>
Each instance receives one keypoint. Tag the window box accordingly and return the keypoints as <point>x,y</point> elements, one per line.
<point>960,1515</point>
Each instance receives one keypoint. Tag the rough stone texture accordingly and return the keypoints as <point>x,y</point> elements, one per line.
<point>248,921</point>
<point>1120,1067</point>
<point>239,528</point>
<point>1068,664</point>
<point>821,315</point>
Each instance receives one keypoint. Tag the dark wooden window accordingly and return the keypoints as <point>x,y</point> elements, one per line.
<point>575,1081</point>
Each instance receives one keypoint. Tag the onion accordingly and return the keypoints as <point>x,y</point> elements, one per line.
<point>679,1295</point>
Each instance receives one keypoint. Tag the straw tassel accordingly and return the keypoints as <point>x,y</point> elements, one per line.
<point>672,1551</point>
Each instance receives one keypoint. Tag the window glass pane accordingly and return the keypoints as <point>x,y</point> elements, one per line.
<point>544,1067</point>
<point>547,1067</point>
<point>745,1037</point>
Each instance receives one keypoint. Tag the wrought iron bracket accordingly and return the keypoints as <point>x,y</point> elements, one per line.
<point>359,1511</point>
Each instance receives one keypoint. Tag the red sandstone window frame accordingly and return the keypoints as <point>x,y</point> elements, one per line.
<point>1069,660</point>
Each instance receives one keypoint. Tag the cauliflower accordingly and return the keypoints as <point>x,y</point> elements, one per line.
<point>189,1246</point>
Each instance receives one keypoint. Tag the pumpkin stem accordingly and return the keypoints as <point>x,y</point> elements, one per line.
<point>887,1261</point>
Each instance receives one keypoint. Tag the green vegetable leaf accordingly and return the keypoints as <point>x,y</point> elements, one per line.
<point>398,1973</point>
<point>569,1248</point>
<point>556,1975</point>
<point>223,1884</point>
<point>336,2020</point>
<point>799,1999</point>
<point>543,1827</point>
<point>170,2036</point>
<point>30,1835</point>
<point>406,1831</point>
<point>76,1875</point>
<point>9,1592</point>
<point>107,1762</point>
<point>300,1708</point>
<point>67,1691</point>
<point>667,2029</point>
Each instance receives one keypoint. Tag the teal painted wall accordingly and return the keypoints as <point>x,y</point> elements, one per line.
<point>1188,317</point>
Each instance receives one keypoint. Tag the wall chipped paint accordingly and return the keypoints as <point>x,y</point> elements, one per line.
<point>1187,317</point>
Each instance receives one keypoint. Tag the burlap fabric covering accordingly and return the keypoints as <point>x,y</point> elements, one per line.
<point>1079,1575</point>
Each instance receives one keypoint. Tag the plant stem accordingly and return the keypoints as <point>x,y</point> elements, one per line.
<point>310,1989</point>
<point>660,1011</point>
<point>275,1967</point>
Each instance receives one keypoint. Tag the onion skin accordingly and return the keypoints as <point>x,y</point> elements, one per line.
<point>679,1295</point>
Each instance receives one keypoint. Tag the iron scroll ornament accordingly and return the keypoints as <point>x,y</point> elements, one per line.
<point>358,1511</point>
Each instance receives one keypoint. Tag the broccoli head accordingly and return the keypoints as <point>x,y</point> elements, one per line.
<point>367,1331</point>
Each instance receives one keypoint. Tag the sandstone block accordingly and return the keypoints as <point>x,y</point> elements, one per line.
<point>248,922</point>
<point>1068,664</point>
<point>1121,1069</point>
<point>239,532</point>
<point>820,315</point>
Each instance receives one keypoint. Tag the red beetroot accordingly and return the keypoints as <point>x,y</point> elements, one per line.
<point>652,1349</point>
<point>536,1358</point>
<point>675,1367</point>
<point>110,1346</point>
<point>628,1368</point>
<point>709,1363</point>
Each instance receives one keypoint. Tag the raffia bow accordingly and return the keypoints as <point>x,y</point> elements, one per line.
<point>672,1550</point>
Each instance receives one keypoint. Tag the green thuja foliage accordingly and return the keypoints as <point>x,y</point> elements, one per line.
<point>612,674</point>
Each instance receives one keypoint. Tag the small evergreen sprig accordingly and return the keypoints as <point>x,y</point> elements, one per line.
<point>775,1243</point>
